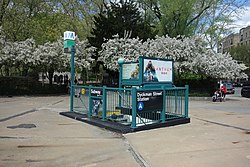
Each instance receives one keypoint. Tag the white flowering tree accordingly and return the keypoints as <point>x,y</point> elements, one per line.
<point>50,57</point>
<point>5,60</point>
<point>129,49</point>
<point>189,54</point>
<point>46,58</point>
<point>18,56</point>
<point>2,45</point>
<point>24,55</point>
<point>83,56</point>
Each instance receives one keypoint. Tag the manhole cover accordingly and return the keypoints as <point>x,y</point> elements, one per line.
<point>22,126</point>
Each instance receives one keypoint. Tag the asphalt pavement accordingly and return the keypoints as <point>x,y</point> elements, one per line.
<point>32,133</point>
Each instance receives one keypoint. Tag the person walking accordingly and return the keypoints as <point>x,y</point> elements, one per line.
<point>77,90</point>
<point>223,91</point>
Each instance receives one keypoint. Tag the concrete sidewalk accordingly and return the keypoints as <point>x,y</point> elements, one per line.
<point>55,140</point>
<point>214,138</point>
<point>32,133</point>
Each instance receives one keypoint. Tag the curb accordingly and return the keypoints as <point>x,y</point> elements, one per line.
<point>200,98</point>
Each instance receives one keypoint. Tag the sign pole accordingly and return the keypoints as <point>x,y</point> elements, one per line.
<point>69,47</point>
<point>72,78</point>
<point>120,62</point>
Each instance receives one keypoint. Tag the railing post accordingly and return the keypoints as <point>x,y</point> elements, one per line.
<point>176,98</point>
<point>120,97</point>
<point>120,82</point>
<point>72,79</point>
<point>133,108</point>
<point>163,113</point>
<point>104,103</point>
<point>186,101</point>
<point>90,102</point>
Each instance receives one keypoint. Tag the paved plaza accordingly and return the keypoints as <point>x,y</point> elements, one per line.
<point>32,133</point>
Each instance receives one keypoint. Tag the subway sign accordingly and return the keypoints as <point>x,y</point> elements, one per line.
<point>149,100</point>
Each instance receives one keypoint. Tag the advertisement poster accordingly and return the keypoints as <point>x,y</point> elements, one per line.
<point>149,100</point>
<point>157,71</point>
<point>130,71</point>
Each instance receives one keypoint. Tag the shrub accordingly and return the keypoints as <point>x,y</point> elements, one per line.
<point>10,86</point>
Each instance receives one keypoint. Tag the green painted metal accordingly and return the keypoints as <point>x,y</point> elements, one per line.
<point>72,78</point>
<point>120,75</point>
<point>163,112</point>
<point>186,100</point>
<point>68,43</point>
<point>104,103</point>
<point>129,82</point>
<point>139,81</point>
<point>120,81</point>
<point>133,125</point>
<point>120,104</point>
<point>175,106</point>
<point>154,84</point>
<point>81,102</point>
<point>90,103</point>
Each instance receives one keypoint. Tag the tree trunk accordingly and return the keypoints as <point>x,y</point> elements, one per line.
<point>51,72</point>
<point>42,78</point>
<point>6,71</point>
<point>25,71</point>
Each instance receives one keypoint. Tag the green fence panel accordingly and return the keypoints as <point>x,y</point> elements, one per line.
<point>81,99</point>
<point>176,102</point>
<point>120,105</point>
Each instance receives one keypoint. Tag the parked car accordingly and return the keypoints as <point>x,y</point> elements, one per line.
<point>237,84</point>
<point>245,91</point>
<point>229,87</point>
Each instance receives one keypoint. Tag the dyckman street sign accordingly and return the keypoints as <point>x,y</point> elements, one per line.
<point>149,100</point>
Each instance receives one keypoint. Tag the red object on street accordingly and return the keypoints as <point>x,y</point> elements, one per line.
<point>224,89</point>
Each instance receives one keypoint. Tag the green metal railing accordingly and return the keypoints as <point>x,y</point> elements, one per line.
<point>176,102</point>
<point>119,105</point>
<point>175,105</point>
<point>81,99</point>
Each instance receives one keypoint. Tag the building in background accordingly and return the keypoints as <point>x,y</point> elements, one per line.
<point>228,42</point>
<point>241,38</point>
<point>245,36</point>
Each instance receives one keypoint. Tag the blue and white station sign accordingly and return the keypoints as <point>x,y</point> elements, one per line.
<point>69,35</point>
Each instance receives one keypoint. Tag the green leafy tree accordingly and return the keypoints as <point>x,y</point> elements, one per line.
<point>176,17</point>
<point>16,18</point>
<point>3,7</point>
<point>122,18</point>
<point>44,21</point>
<point>242,54</point>
<point>77,15</point>
<point>208,18</point>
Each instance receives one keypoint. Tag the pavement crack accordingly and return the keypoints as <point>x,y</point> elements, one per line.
<point>223,124</point>
<point>57,102</point>
<point>17,115</point>
<point>139,159</point>
<point>12,137</point>
<point>22,126</point>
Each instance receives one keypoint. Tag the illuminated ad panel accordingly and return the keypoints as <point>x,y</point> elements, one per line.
<point>157,70</point>
<point>130,71</point>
